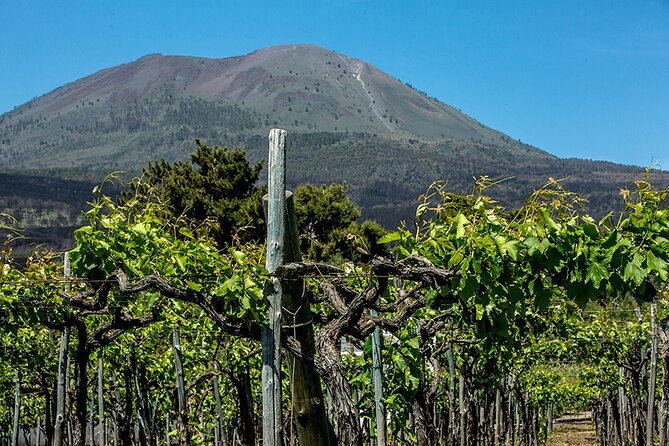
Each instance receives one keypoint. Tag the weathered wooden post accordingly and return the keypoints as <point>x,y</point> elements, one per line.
<point>307,401</point>
<point>167,428</point>
<point>182,416</point>
<point>90,427</point>
<point>650,416</point>
<point>17,408</point>
<point>70,428</point>
<point>377,376</point>
<point>271,335</point>
<point>622,408</point>
<point>220,432</point>
<point>664,412</point>
<point>463,408</point>
<point>498,412</point>
<point>549,416</point>
<point>59,424</point>
<point>101,402</point>
<point>452,435</point>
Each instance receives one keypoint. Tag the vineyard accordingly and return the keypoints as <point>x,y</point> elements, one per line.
<point>480,327</point>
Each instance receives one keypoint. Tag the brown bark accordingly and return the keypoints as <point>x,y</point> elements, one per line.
<point>347,428</point>
<point>423,423</point>
<point>245,422</point>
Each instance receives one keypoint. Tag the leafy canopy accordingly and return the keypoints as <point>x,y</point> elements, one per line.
<point>218,185</point>
<point>327,219</point>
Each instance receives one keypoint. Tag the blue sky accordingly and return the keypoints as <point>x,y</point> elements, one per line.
<point>586,79</point>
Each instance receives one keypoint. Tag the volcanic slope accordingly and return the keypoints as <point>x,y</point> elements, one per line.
<point>155,106</point>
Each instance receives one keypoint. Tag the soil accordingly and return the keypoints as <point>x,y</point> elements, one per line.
<point>572,433</point>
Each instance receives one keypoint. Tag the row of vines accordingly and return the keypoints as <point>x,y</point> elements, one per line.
<point>493,324</point>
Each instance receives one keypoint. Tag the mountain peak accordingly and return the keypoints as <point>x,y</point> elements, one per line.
<point>150,56</point>
<point>301,87</point>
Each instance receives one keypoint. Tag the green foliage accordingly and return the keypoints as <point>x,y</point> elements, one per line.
<point>544,249</point>
<point>520,271</point>
<point>218,185</point>
<point>321,209</point>
<point>327,219</point>
<point>537,288</point>
<point>140,238</point>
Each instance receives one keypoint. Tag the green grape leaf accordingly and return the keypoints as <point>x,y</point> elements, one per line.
<point>596,272</point>
<point>657,264</point>
<point>390,237</point>
<point>590,229</point>
<point>460,222</point>
<point>634,270</point>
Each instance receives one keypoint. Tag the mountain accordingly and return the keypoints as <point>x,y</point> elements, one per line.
<point>155,106</point>
<point>347,121</point>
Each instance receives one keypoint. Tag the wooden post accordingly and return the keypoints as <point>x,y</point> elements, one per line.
<point>650,415</point>
<point>59,424</point>
<point>70,433</point>
<point>91,426</point>
<point>219,411</point>
<point>549,424</point>
<point>377,375</point>
<point>115,416</point>
<point>307,400</point>
<point>182,416</point>
<point>664,413</point>
<point>17,408</point>
<point>497,422</point>
<point>622,409</point>
<point>508,426</point>
<point>271,335</point>
<point>463,408</point>
<point>167,428</point>
<point>101,403</point>
<point>451,396</point>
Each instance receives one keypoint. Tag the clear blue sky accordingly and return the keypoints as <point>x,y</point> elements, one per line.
<point>578,78</point>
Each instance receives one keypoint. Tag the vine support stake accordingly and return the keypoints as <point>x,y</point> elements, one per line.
<point>101,402</point>
<point>307,400</point>
<point>220,432</point>
<point>271,335</point>
<point>650,416</point>
<point>91,418</point>
<point>377,376</point>
<point>60,422</point>
<point>663,330</point>
<point>17,408</point>
<point>182,416</point>
<point>451,395</point>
